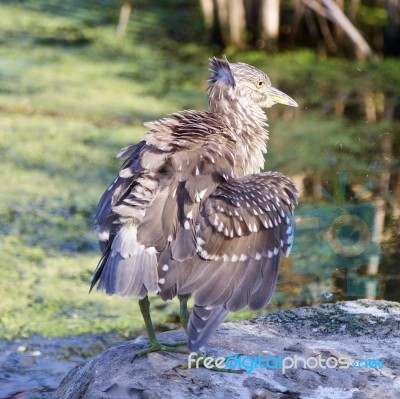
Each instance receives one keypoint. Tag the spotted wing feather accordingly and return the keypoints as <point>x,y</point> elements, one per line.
<point>243,227</point>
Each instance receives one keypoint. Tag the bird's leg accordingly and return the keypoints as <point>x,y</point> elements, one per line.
<point>144,305</point>
<point>155,346</point>
<point>183,310</point>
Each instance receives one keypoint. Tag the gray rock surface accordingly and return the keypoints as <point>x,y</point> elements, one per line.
<point>343,332</point>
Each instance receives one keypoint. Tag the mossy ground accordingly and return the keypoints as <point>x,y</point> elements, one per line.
<point>64,112</point>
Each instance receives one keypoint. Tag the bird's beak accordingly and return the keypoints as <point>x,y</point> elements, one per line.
<point>280,97</point>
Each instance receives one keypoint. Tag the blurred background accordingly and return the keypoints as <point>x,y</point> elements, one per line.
<point>79,78</point>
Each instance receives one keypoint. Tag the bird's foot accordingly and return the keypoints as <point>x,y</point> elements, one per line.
<point>218,364</point>
<point>162,346</point>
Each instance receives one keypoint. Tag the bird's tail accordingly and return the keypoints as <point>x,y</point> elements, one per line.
<point>204,320</point>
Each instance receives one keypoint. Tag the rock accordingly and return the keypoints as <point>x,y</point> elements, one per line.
<point>337,335</point>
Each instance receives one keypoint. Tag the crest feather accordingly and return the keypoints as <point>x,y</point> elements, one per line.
<point>221,71</point>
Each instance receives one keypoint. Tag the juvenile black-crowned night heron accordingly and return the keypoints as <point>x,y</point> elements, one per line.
<point>190,212</point>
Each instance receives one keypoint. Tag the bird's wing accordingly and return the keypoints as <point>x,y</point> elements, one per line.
<point>155,200</point>
<point>126,267</point>
<point>192,153</point>
<point>116,193</point>
<point>243,227</point>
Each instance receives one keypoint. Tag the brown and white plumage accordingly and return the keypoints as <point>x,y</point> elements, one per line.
<point>190,211</point>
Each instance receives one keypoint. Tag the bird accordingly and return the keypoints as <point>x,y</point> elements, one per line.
<point>191,213</point>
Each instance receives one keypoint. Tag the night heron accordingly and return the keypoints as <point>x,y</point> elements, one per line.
<point>190,212</point>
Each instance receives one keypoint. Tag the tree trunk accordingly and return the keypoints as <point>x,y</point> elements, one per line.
<point>123,19</point>
<point>269,11</point>
<point>329,9</point>
<point>391,45</point>
<point>223,17</point>
<point>207,7</point>
<point>237,23</point>
<point>370,108</point>
<point>339,32</point>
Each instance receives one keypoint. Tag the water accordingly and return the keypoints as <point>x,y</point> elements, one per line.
<point>343,250</point>
<point>33,368</point>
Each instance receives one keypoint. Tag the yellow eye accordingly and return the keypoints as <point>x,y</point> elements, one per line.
<point>260,84</point>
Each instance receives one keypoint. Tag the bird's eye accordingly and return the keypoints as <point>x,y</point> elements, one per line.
<point>260,84</point>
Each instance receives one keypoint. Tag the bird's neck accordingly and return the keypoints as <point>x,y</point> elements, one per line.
<point>249,127</point>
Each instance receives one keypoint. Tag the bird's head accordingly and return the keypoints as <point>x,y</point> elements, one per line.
<point>246,84</point>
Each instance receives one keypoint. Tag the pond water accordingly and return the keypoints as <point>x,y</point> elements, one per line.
<point>33,368</point>
<point>343,249</point>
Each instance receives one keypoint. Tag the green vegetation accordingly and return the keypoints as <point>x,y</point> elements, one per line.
<point>71,95</point>
<point>64,112</point>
